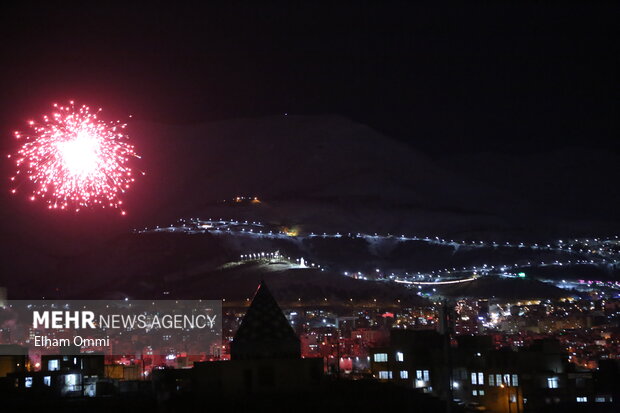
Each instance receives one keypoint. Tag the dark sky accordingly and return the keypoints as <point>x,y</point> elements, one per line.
<point>449,79</point>
<point>526,78</point>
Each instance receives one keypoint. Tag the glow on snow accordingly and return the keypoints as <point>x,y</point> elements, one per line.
<point>75,160</point>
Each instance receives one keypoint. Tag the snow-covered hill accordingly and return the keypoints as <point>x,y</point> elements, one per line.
<point>321,173</point>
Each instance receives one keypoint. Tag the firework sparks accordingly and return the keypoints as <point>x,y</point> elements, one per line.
<point>75,160</point>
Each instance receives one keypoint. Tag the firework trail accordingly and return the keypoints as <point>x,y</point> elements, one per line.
<point>74,160</point>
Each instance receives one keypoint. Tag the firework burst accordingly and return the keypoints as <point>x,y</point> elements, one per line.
<point>74,160</point>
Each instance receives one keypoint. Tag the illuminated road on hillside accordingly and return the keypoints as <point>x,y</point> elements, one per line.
<point>600,252</point>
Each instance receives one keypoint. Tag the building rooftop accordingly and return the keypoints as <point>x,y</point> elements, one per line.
<point>264,331</point>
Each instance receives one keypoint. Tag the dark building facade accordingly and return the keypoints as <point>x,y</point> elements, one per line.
<point>78,375</point>
<point>530,379</point>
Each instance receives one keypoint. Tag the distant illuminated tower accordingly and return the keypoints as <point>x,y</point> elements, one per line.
<point>302,263</point>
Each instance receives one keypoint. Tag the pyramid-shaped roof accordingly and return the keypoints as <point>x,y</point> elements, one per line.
<point>264,331</point>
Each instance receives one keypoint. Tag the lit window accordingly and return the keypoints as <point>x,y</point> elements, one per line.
<point>47,380</point>
<point>385,374</point>
<point>552,382</point>
<point>28,382</point>
<point>599,399</point>
<point>480,392</point>
<point>71,379</point>
<point>515,380</point>
<point>422,375</point>
<point>507,379</point>
<point>400,356</point>
<point>380,357</point>
<point>53,365</point>
<point>491,380</point>
<point>404,374</point>
<point>481,378</point>
<point>474,378</point>
<point>582,399</point>
<point>474,392</point>
<point>498,380</point>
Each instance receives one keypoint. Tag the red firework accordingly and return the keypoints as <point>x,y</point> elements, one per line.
<point>75,160</point>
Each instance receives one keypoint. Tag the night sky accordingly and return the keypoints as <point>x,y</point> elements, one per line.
<point>455,79</point>
<point>514,106</point>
